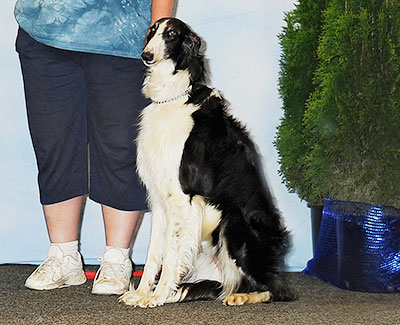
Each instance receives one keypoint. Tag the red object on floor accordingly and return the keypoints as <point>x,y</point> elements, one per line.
<point>91,275</point>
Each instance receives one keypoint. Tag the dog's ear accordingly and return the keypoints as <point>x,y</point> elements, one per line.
<point>190,57</point>
<point>191,44</point>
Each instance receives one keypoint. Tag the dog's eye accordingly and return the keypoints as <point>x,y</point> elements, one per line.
<point>171,33</point>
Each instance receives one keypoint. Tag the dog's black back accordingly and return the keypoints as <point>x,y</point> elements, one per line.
<point>221,163</point>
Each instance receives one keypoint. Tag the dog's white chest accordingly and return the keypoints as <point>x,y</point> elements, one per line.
<point>163,132</point>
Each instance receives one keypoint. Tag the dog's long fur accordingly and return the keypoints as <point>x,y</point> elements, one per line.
<point>216,233</point>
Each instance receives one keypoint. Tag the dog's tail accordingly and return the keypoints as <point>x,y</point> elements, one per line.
<point>200,290</point>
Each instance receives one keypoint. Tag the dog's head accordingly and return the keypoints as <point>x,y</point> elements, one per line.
<point>172,39</point>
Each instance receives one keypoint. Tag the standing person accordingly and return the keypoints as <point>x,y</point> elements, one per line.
<point>82,80</point>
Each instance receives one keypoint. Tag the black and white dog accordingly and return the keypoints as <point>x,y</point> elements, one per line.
<point>216,233</point>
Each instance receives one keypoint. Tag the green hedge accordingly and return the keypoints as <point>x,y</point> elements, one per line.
<point>299,42</point>
<point>350,123</point>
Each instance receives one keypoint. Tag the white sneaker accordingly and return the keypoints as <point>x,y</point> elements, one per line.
<point>57,271</point>
<point>114,275</point>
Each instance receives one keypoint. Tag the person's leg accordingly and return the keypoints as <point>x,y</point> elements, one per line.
<point>55,102</point>
<point>114,104</point>
<point>120,226</point>
<point>56,108</point>
<point>63,220</point>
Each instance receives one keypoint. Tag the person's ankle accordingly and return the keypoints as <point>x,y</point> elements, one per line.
<point>60,250</point>
<point>124,251</point>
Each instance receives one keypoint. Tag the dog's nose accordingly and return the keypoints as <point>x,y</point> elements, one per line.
<point>147,56</point>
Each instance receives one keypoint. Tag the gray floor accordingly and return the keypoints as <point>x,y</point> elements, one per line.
<point>318,303</point>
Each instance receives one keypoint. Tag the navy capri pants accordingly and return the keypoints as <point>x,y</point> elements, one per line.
<point>83,112</point>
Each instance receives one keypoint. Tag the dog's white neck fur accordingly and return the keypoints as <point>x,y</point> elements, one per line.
<point>162,85</point>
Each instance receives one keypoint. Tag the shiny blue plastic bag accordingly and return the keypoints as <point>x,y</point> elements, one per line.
<point>358,247</point>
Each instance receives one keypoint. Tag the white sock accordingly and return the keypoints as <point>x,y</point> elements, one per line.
<point>124,251</point>
<point>68,248</point>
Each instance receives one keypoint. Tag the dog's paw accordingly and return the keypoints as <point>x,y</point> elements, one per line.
<point>238,299</point>
<point>129,298</point>
<point>134,298</point>
<point>138,299</point>
<point>151,301</point>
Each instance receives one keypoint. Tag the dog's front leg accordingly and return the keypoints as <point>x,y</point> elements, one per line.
<point>170,271</point>
<point>182,247</point>
<point>153,261</point>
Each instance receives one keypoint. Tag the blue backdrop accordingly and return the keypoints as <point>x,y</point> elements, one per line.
<point>243,53</point>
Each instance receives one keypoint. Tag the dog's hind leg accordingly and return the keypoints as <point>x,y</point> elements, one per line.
<point>237,299</point>
<point>200,290</point>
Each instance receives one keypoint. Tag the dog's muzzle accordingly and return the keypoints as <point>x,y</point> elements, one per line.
<point>148,58</point>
